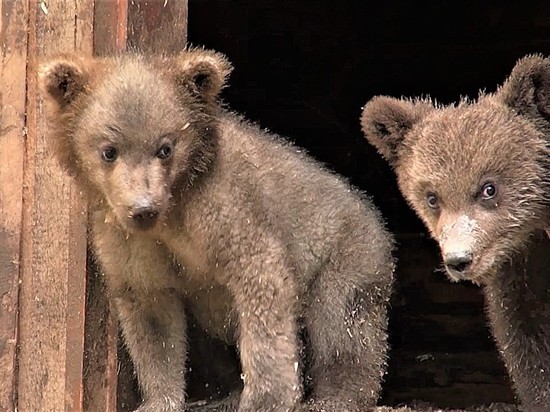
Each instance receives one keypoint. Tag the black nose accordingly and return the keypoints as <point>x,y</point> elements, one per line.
<point>458,262</point>
<point>145,217</point>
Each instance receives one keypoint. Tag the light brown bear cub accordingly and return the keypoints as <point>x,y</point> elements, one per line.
<point>195,208</point>
<point>478,175</point>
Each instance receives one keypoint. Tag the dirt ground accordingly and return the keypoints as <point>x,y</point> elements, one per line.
<point>424,407</point>
<point>413,407</point>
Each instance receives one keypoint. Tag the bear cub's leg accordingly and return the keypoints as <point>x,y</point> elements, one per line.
<point>345,317</point>
<point>155,339</point>
<point>346,323</point>
<point>138,272</point>
<point>266,298</point>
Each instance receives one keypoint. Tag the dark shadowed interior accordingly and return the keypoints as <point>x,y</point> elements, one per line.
<point>304,69</point>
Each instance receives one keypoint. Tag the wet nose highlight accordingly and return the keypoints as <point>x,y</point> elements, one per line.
<point>458,262</point>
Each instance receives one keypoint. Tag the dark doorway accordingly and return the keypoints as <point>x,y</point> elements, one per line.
<point>303,69</point>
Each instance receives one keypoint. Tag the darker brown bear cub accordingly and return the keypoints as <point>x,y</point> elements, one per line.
<point>195,208</point>
<point>478,175</point>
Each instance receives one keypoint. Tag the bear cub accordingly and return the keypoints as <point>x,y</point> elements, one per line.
<point>478,175</point>
<point>197,212</point>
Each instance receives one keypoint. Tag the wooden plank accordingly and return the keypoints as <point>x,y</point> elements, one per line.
<point>100,348</point>
<point>157,26</point>
<point>101,326</point>
<point>110,24</point>
<point>76,284</point>
<point>13,25</point>
<point>53,247</point>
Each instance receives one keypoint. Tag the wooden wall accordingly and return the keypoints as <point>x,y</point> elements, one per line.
<point>57,344</point>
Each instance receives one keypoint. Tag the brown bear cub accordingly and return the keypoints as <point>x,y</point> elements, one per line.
<point>478,175</point>
<point>196,211</point>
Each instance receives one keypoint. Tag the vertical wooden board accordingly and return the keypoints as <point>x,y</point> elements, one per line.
<point>76,276</point>
<point>100,347</point>
<point>13,32</point>
<point>53,248</point>
<point>101,326</point>
<point>77,238</point>
<point>110,23</point>
<point>156,26</point>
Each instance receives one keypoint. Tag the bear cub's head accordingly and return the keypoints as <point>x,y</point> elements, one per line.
<point>136,132</point>
<point>476,173</point>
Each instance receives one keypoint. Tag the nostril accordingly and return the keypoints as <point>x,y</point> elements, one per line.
<point>458,263</point>
<point>145,216</point>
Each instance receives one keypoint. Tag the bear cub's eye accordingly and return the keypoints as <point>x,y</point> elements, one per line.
<point>165,151</point>
<point>109,154</point>
<point>488,191</point>
<point>432,200</point>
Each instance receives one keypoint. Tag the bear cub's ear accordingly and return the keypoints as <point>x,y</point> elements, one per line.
<point>527,89</point>
<point>62,80</point>
<point>386,121</point>
<point>203,72</point>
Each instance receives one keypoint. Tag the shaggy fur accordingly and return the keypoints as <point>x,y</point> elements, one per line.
<point>196,210</point>
<point>478,175</point>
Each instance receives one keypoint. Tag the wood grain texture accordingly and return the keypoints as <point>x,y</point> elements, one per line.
<point>100,347</point>
<point>157,26</point>
<point>110,26</point>
<point>13,32</point>
<point>101,327</point>
<point>53,247</point>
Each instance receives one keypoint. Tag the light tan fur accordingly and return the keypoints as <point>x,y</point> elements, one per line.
<point>478,175</point>
<point>236,226</point>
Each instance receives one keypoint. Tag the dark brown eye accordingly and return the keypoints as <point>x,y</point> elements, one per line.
<point>109,154</point>
<point>165,151</point>
<point>432,200</point>
<point>488,191</point>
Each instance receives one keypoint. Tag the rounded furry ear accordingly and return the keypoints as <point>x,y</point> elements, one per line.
<point>203,72</point>
<point>386,121</point>
<point>527,89</point>
<point>62,80</point>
